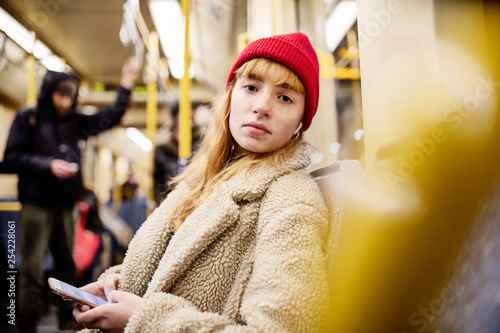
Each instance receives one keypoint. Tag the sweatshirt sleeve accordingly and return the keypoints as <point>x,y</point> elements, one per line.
<point>287,289</point>
<point>107,118</point>
<point>18,156</point>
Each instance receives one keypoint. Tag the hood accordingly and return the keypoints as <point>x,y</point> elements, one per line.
<point>49,81</point>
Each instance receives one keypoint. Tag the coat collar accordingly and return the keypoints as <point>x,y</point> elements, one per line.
<point>253,184</point>
<point>216,215</point>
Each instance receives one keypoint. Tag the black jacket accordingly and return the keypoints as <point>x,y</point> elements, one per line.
<point>39,135</point>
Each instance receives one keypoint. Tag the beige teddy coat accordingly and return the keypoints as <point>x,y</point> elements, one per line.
<point>249,259</point>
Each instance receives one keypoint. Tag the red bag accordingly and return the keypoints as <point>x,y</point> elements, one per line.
<point>86,243</point>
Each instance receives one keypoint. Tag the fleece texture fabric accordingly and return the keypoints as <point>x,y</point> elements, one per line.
<point>250,259</point>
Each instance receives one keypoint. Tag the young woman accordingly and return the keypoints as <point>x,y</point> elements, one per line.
<point>238,245</point>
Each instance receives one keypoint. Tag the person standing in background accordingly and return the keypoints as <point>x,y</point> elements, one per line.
<point>42,148</point>
<point>166,156</point>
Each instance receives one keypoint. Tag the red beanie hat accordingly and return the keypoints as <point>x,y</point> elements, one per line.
<point>295,52</point>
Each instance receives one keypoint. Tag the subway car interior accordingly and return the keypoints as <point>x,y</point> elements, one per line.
<point>406,138</point>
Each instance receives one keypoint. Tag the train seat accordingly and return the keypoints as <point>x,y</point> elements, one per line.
<point>332,180</point>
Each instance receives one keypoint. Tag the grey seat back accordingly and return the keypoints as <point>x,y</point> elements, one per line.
<point>332,180</point>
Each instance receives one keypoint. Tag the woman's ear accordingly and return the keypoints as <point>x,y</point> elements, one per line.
<point>298,129</point>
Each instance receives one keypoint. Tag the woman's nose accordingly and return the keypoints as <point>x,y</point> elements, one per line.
<point>262,107</point>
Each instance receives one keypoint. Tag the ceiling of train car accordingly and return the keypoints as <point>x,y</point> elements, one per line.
<point>83,32</point>
<point>86,34</point>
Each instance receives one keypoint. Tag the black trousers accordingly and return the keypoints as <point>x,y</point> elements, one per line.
<point>43,229</point>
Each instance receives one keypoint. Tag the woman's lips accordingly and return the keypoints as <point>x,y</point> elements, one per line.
<point>256,128</point>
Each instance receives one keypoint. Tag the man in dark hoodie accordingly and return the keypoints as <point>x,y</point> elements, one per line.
<point>42,149</point>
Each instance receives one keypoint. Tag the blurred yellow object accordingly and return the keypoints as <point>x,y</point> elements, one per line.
<point>404,225</point>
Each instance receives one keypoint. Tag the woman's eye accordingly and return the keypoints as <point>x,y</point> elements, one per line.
<point>250,87</point>
<point>286,99</point>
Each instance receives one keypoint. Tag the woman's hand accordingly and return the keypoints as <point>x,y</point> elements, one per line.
<point>103,287</point>
<point>112,317</point>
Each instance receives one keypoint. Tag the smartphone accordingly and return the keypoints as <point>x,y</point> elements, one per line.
<point>75,294</point>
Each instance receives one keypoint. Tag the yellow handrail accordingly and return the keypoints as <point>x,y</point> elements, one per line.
<point>185,103</point>
<point>31,93</point>
<point>151,105</point>
<point>10,206</point>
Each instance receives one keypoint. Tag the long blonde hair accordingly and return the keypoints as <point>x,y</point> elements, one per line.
<point>214,162</point>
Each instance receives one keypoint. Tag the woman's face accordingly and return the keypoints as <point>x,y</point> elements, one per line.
<point>264,116</point>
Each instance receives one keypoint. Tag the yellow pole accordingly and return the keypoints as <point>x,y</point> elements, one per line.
<point>185,103</point>
<point>31,94</point>
<point>151,105</point>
